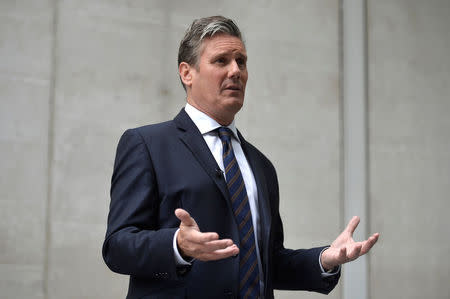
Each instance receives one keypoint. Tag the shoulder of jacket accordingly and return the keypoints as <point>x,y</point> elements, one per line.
<point>152,129</point>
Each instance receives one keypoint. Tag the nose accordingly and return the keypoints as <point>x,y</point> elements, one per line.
<point>234,71</point>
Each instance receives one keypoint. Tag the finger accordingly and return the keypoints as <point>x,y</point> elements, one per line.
<point>220,254</point>
<point>216,245</point>
<point>354,252</point>
<point>210,246</point>
<point>201,250</point>
<point>342,256</point>
<point>367,245</point>
<point>197,237</point>
<point>185,217</point>
<point>232,250</point>
<point>352,224</point>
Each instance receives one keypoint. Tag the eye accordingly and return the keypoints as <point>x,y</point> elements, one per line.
<point>221,60</point>
<point>241,62</point>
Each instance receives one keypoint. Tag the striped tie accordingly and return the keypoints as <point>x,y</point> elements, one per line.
<point>248,262</point>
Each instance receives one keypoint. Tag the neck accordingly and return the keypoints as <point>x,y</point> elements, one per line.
<point>221,119</point>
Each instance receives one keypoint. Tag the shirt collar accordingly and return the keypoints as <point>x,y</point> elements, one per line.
<point>205,123</point>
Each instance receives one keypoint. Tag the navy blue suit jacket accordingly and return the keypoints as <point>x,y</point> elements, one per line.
<point>162,167</point>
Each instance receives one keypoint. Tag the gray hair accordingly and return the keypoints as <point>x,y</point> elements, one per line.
<point>199,30</point>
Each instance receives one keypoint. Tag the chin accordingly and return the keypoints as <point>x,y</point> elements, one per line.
<point>235,105</point>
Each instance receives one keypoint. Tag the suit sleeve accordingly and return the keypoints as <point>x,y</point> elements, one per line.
<point>295,269</point>
<point>300,270</point>
<point>134,244</point>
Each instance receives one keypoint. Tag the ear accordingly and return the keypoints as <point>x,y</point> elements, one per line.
<point>185,72</point>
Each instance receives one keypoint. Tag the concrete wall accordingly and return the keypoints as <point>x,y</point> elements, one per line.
<point>75,74</point>
<point>26,35</point>
<point>409,138</point>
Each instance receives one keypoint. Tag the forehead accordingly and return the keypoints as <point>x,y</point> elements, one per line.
<point>222,44</point>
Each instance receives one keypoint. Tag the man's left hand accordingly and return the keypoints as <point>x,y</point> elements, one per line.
<point>344,249</point>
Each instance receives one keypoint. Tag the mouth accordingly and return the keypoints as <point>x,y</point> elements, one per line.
<point>233,87</point>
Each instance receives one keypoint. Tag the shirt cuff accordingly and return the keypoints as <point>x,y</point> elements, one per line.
<point>179,261</point>
<point>331,272</point>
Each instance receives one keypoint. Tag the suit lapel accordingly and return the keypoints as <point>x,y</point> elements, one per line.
<point>263,199</point>
<point>193,139</point>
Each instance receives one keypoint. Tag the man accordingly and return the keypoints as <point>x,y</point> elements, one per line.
<point>194,206</point>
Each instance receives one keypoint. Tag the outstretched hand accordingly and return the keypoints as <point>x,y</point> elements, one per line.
<point>344,249</point>
<point>202,246</point>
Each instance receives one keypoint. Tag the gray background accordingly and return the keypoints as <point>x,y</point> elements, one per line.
<point>75,74</point>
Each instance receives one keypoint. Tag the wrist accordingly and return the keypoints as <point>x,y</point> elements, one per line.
<point>326,266</point>
<point>180,259</point>
<point>180,249</point>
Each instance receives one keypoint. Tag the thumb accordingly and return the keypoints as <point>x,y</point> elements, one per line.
<point>185,218</point>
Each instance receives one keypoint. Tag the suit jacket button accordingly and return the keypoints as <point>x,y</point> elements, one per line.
<point>182,270</point>
<point>228,293</point>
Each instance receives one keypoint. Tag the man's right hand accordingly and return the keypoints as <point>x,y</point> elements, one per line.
<point>202,246</point>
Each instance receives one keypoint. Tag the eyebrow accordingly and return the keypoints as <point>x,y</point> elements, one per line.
<point>241,55</point>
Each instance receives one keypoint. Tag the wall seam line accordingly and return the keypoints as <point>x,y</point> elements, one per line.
<point>341,121</point>
<point>367,137</point>
<point>50,149</point>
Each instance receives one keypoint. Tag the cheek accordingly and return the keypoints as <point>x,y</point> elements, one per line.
<point>216,83</point>
<point>244,77</point>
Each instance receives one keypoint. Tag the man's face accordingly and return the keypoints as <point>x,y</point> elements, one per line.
<point>219,79</point>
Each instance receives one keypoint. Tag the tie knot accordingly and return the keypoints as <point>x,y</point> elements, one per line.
<point>225,134</point>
